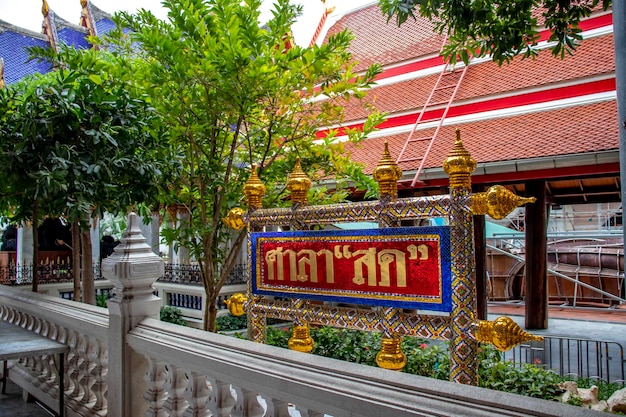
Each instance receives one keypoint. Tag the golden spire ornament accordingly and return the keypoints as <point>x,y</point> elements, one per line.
<point>298,184</point>
<point>459,165</point>
<point>386,174</point>
<point>254,190</point>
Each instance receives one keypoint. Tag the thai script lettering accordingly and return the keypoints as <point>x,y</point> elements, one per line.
<point>372,266</point>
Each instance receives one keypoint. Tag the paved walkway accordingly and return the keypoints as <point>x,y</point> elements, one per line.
<point>580,323</point>
<point>12,404</point>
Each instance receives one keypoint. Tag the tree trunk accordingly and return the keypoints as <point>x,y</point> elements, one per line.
<point>86,272</point>
<point>35,287</point>
<point>210,313</point>
<point>76,260</point>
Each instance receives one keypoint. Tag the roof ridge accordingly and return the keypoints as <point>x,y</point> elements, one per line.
<point>9,27</point>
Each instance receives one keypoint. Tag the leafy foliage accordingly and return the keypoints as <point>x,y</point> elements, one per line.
<point>171,314</point>
<point>234,93</point>
<point>229,323</point>
<point>524,379</point>
<point>501,29</point>
<point>433,361</point>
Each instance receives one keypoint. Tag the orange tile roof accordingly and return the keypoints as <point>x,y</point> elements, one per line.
<point>379,42</point>
<point>581,129</point>
<point>486,79</point>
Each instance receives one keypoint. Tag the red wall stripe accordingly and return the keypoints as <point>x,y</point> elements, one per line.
<point>495,104</point>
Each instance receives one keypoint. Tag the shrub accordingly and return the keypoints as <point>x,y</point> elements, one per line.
<point>172,314</point>
<point>229,323</point>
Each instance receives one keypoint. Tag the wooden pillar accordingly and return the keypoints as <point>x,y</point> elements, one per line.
<point>480,252</point>
<point>536,257</point>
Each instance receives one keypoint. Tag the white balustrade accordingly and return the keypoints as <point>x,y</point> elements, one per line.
<point>124,363</point>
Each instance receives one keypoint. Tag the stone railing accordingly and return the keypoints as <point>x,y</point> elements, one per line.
<point>124,363</point>
<point>84,328</point>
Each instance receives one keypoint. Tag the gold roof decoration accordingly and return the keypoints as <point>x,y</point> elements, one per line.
<point>387,173</point>
<point>254,190</point>
<point>498,202</point>
<point>298,184</point>
<point>235,218</point>
<point>459,165</point>
<point>45,8</point>
<point>503,333</point>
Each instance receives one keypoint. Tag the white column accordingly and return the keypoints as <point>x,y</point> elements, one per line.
<point>151,232</point>
<point>132,268</point>
<point>94,237</point>
<point>25,249</point>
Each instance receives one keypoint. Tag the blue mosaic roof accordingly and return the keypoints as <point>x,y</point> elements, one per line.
<point>13,46</point>
<point>73,37</point>
<point>104,26</point>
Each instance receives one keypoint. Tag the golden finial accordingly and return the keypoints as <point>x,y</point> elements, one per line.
<point>298,184</point>
<point>236,304</point>
<point>391,355</point>
<point>459,165</point>
<point>497,202</point>
<point>254,190</point>
<point>234,219</point>
<point>387,173</point>
<point>503,333</point>
<point>45,9</point>
<point>300,339</point>
<point>83,3</point>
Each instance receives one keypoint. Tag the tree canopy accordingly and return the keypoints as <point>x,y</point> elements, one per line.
<point>76,143</point>
<point>502,29</point>
<point>234,93</point>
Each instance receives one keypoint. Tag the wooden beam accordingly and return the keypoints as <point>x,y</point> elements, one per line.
<point>480,251</point>
<point>536,256</point>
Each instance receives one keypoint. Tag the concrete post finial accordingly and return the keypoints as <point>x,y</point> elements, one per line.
<point>133,267</point>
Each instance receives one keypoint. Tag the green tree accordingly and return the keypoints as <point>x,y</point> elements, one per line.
<point>76,143</point>
<point>235,93</point>
<point>501,29</point>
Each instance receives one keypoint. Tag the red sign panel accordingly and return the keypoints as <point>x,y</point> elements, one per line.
<point>401,267</point>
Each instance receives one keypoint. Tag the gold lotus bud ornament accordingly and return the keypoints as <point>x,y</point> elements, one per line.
<point>254,190</point>
<point>503,333</point>
<point>300,339</point>
<point>498,202</point>
<point>236,304</point>
<point>459,165</point>
<point>298,184</point>
<point>234,219</point>
<point>386,174</point>
<point>391,355</point>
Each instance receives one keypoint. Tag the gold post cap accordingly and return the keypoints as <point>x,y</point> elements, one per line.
<point>301,340</point>
<point>391,355</point>
<point>254,190</point>
<point>459,165</point>
<point>298,184</point>
<point>387,173</point>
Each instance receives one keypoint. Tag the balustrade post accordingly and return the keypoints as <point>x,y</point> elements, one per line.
<point>132,268</point>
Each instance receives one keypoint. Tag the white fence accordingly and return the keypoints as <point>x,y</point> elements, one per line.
<point>124,363</point>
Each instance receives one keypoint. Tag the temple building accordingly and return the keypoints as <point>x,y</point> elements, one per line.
<point>14,63</point>
<point>543,127</point>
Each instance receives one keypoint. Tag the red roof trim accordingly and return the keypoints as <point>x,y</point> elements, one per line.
<point>544,96</point>
<point>503,177</point>
<point>544,35</point>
